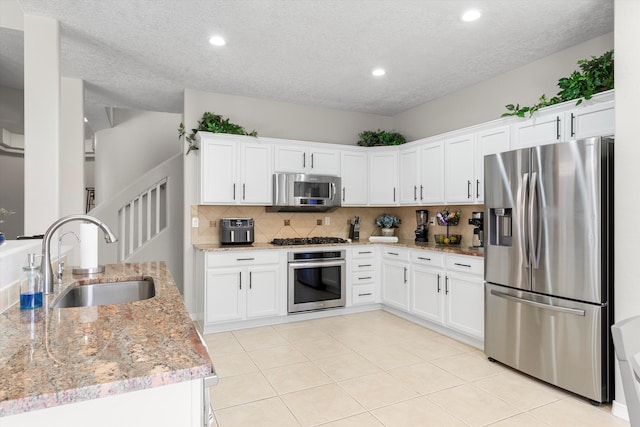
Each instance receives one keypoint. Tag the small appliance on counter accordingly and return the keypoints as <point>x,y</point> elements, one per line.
<point>354,229</point>
<point>236,231</point>
<point>422,218</point>
<point>477,220</point>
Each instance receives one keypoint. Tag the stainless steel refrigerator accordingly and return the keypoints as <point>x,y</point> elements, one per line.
<point>549,263</point>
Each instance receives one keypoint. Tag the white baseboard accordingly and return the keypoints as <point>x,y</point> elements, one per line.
<point>619,410</point>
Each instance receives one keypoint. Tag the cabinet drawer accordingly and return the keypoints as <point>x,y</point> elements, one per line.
<point>362,277</point>
<point>363,252</point>
<point>431,259</point>
<point>363,294</point>
<point>363,264</point>
<point>466,264</point>
<point>241,258</point>
<point>396,254</point>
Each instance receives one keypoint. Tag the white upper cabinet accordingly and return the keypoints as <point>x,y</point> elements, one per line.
<point>383,176</point>
<point>566,122</point>
<point>353,165</point>
<point>541,129</point>
<point>234,170</point>
<point>590,120</point>
<point>304,157</point>
<point>421,173</point>
<point>459,182</point>
<point>409,158</point>
<point>491,141</point>
<point>431,171</point>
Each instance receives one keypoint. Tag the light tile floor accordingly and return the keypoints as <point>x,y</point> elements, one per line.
<point>376,369</point>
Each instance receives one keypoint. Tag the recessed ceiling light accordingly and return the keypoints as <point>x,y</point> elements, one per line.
<point>471,15</point>
<point>85,120</point>
<point>217,41</point>
<point>378,72</point>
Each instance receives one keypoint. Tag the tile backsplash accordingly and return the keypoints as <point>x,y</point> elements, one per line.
<point>269,225</point>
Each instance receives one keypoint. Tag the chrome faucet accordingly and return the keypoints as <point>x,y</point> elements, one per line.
<point>45,268</point>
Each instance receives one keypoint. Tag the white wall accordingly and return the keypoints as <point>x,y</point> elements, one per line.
<point>627,33</point>
<point>72,148</point>
<point>139,141</point>
<point>485,101</point>
<point>41,123</point>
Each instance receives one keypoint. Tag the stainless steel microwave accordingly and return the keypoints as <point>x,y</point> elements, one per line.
<point>298,192</point>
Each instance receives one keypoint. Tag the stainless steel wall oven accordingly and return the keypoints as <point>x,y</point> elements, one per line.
<point>317,280</point>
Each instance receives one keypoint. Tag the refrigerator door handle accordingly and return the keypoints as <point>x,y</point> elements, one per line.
<point>534,226</point>
<point>557,308</point>
<point>521,219</point>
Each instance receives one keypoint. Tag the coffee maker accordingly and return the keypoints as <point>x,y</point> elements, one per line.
<point>477,220</point>
<point>422,218</point>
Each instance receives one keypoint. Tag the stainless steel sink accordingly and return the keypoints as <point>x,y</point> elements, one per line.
<point>106,293</point>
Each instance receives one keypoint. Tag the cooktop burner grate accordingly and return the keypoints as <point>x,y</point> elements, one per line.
<point>308,241</point>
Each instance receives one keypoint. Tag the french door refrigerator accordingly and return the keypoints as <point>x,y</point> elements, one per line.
<point>549,263</point>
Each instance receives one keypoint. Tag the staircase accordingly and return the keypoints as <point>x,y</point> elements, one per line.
<point>147,217</point>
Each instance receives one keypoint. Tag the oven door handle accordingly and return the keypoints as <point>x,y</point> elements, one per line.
<point>313,264</point>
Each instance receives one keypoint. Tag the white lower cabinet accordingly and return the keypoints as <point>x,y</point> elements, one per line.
<point>448,290</point>
<point>395,278</point>
<point>363,275</point>
<point>241,285</point>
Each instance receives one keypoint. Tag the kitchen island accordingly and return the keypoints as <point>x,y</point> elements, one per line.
<point>137,363</point>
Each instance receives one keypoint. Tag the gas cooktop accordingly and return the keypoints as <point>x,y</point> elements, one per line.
<point>308,241</point>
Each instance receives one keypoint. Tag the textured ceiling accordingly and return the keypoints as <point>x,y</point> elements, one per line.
<point>142,54</point>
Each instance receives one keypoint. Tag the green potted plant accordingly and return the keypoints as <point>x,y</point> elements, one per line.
<point>387,223</point>
<point>211,123</point>
<point>596,75</point>
<point>372,138</point>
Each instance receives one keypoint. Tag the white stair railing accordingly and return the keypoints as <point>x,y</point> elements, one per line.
<point>142,218</point>
<point>148,218</point>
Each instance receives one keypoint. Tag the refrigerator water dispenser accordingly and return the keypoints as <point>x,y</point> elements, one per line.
<point>500,219</point>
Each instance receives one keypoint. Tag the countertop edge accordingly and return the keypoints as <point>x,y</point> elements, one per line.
<point>81,394</point>
<point>409,244</point>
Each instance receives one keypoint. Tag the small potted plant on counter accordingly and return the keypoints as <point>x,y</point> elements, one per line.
<point>387,223</point>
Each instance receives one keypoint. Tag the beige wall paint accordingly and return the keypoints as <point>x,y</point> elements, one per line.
<point>284,120</point>
<point>270,225</point>
<point>485,101</point>
<point>139,141</point>
<point>627,297</point>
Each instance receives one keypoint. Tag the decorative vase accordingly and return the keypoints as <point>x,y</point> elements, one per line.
<point>388,231</point>
<point>2,238</point>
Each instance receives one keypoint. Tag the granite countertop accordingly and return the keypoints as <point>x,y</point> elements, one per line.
<point>51,356</point>
<point>407,243</point>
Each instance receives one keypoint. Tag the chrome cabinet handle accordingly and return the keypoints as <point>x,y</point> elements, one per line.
<point>446,285</point>
<point>468,189</point>
<point>424,259</point>
<point>421,195</point>
<point>364,278</point>
<point>245,259</point>
<point>393,253</point>
<point>394,194</point>
<point>311,160</point>
<point>558,127</point>
<point>366,294</point>
<point>365,252</point>
<point>477,188</point>
<point>405,274</point>
<point>240,281</point>
<point>234,191</point>
<point>304,160</point>
<point>343,193</point>
<point>244,191</point>
<point>415,192</point>
<point>462,265</point>
<point>438,283</point>
<point>573,131</point>
<point>364,265</point>
<point>250,280</point>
